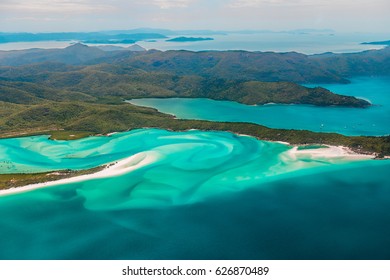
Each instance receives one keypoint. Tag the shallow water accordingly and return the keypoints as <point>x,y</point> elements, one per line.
<point>207,195</point>
<point>348,121</point>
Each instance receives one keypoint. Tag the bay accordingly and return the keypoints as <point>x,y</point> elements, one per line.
<point>372,121</point>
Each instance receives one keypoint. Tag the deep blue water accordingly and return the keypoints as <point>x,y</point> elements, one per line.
<point>336,214</point>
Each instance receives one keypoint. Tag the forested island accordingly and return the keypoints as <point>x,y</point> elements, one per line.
<point>81,90</point>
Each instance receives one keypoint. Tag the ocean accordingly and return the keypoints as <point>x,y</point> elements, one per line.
<point>303,42</point>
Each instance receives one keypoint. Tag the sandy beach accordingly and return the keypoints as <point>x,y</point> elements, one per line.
<point>113,169</point>
<point>329,152</point>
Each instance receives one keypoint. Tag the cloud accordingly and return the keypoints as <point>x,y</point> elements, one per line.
<point>37,19</point>
<point>285,3</point>
<point>55,15</point>
<point>168,4</point>
<point>54,6</point>
<point>301,3</point>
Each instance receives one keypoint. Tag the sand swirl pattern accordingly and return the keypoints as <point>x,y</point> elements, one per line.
<point>208,195</point>
<point>158,168</point>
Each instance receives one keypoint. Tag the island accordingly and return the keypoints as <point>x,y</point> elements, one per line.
<point>377,43</point>
<point>228,65</point>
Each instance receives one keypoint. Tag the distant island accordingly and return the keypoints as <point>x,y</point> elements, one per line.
<point>377,43</point>
<point>189,39</point>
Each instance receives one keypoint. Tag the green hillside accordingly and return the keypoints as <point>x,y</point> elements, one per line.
<point>229,65</point>
<point>62,119</point>
<point>106,83</point>
<point>70,101</point>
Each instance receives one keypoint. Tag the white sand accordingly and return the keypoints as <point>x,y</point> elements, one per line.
<point>331,152</point>
<point>281,142</point>
<point>113,169</point>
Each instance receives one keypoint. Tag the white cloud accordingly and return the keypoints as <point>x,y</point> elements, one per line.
<point>249,3</point>
<point>54,15</point>
<point>168,4</point>
<point>36,19</point>
<point>54,6</point>
<point>285,3</point>
<point>303,3</point>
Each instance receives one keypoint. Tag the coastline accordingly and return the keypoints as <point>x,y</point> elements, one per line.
<point>112,169</point>
<point>146,158</point>
<point>330,152</point>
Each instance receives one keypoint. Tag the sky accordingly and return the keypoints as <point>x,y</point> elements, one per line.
<point>95,15</point>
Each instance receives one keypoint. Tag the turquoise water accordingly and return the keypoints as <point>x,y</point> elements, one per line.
<point>199,161</point>
<point>339,214</point>
<point>204,195</point>
<point>39,154</point>
<point>349,121</point>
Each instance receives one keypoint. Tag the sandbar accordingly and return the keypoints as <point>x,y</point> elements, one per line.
<point>146,158</point>
<point>112,169</point>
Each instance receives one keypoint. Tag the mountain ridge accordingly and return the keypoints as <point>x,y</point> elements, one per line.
<point>242,65</point>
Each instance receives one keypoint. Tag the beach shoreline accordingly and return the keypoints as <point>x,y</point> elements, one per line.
<point>112,169</point>
<point>330,152</point>
<point>142,159</point>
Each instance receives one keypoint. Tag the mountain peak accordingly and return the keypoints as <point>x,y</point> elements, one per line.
<point>77,46</point>
<point>136,48</point>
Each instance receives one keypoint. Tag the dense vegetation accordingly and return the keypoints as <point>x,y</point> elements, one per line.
<point>229,65</point>
<point>69,120</point>
<point>116,118</point>
<point>8,181</point>
<point>107,83</point>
